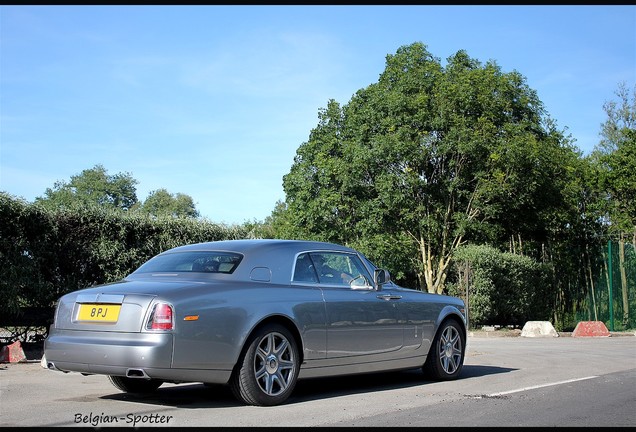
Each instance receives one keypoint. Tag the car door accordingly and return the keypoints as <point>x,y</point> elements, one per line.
<point>360,320</point>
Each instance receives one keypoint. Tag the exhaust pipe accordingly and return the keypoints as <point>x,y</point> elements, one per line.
<point>136,373</point>
<point>51,366</point>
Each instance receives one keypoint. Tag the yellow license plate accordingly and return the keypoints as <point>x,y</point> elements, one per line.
<point>99,312</point>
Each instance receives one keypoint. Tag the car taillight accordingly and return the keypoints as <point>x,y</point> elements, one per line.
<point>161,318</point>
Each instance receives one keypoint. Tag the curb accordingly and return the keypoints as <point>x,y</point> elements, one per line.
<point>517,333</point>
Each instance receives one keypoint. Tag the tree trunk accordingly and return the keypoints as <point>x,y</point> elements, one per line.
<point>434,266</point>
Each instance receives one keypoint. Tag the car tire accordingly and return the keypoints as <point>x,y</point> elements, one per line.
<point>267,371</point>
<point>446,355</point>
<point>135,385</point>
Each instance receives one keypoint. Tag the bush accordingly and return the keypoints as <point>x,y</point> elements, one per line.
<point>503,288</point>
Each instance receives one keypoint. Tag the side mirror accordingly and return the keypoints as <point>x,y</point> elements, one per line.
<point>361,282</point>
<point>380,277</point>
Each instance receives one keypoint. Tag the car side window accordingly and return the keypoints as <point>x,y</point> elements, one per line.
<point>339,268</point>
<point>304,269</point>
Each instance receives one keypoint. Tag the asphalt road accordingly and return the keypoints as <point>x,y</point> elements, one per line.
<point>506,381</point>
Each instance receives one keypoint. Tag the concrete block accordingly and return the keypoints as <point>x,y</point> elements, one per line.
<point>538,329</point>
<point>12,353</point>
<point>591,329</point>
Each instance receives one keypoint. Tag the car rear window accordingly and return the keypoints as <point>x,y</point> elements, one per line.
<point>198,262</point>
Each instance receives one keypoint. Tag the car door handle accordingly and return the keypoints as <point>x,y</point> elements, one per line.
<point>389,297</point>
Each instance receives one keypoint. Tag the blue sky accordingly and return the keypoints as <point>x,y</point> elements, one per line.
<point>213,101</point>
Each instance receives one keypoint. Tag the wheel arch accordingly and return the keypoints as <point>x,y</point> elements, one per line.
<point>283,320</point>
<point>452,313</point>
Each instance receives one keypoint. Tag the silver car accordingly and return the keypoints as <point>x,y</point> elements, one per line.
<point>257,315</point>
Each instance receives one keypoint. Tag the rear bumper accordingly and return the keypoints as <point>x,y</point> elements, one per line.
<point>90,349</point>
<point>135,355</point>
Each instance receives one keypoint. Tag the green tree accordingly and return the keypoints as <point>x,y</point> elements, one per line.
<point>615,156</point>
<point>621,177</point>
<point>162,203</point>
<point>92,187</point>
<point>426,159</point>
<point>621,119</point>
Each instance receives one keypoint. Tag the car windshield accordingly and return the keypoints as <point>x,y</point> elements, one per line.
<point>199,262</point>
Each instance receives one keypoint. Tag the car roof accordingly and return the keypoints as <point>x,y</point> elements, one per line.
<point>244,245</point>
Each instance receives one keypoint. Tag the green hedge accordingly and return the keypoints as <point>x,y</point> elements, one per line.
<point>502,288</point>
<point>45,254</point>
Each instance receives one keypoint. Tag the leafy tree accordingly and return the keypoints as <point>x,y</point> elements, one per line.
<point>622,181</point>
<point>428,158</point>
<point>92,187</point>
<point>162,203</point>
<point>274,226</point>
<point>621,118</point>
<point>615,156</point>
<point>96,187</point>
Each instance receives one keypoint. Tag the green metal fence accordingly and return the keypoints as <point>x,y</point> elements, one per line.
<point>615,279</point>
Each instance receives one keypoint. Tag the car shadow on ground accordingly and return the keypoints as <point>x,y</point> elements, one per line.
<point>196,396</point>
